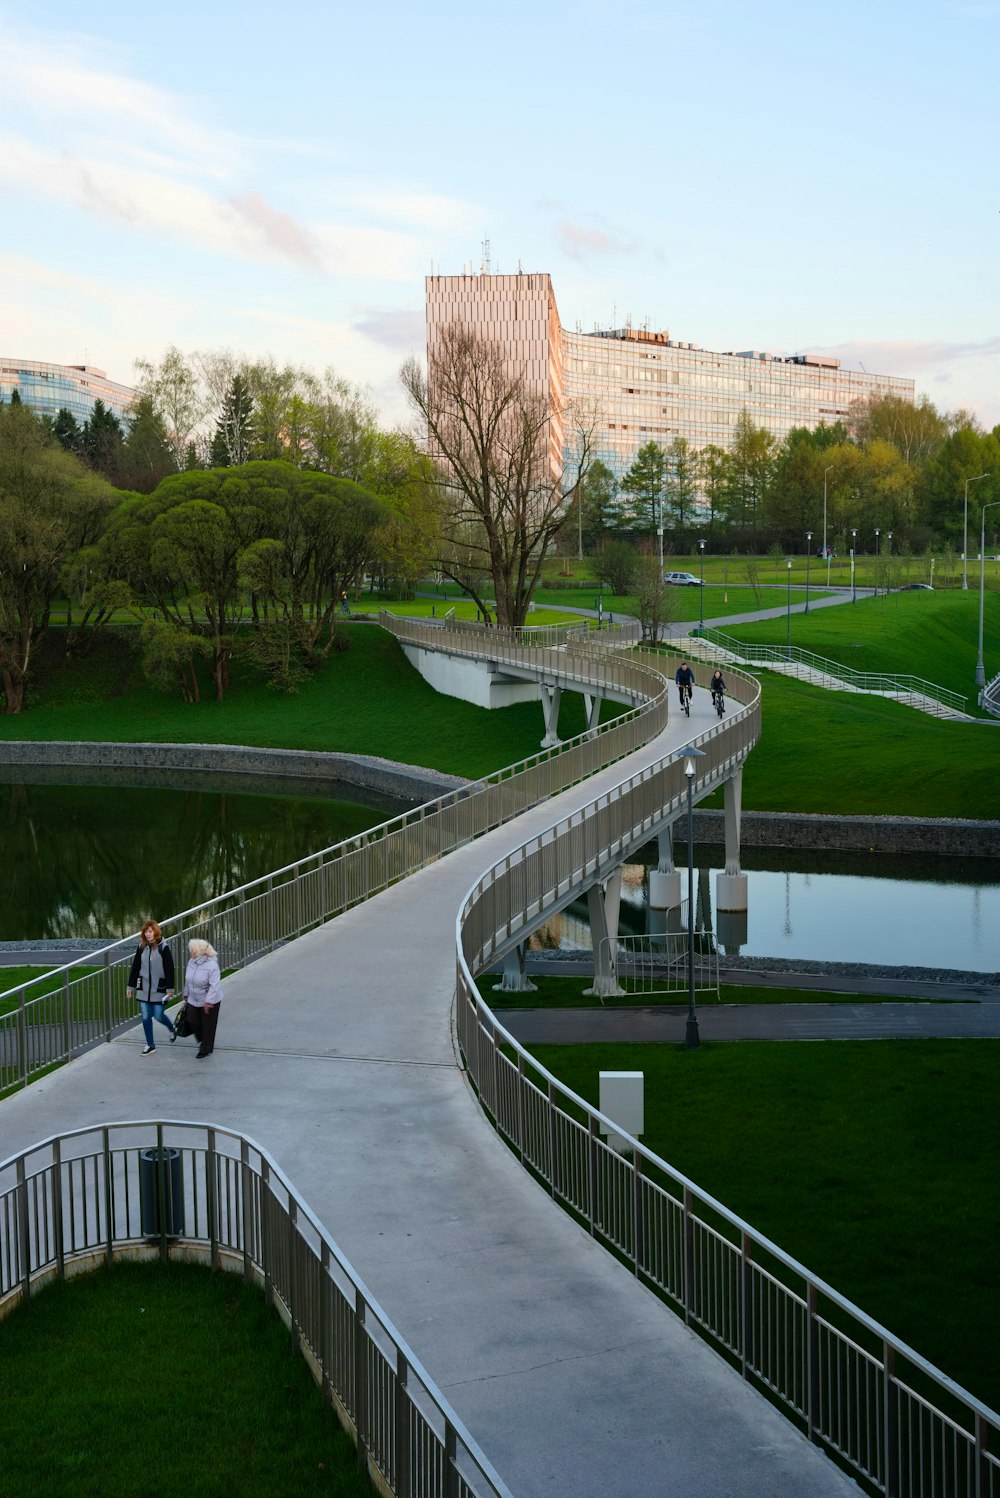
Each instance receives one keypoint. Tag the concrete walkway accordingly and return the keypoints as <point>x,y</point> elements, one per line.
<point>337,1055</point>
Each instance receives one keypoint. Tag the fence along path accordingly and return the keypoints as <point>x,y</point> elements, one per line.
<point>337,1053</point>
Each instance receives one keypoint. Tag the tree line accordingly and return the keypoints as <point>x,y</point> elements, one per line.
<point>891,465</point>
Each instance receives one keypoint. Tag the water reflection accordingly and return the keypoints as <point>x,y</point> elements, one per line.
<point>85,860</point>
<point>831,907</point>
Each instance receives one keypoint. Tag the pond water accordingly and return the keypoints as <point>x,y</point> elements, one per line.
<point>94,860</point>
<point>831,907</point>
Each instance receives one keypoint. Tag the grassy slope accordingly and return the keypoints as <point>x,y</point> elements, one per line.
<point>867,1161</point>
<point>102,1379</point>
<point>933,635</point>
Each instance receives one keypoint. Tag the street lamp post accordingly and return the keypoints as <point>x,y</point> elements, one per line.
<point>826,549</point>
<point>888,553</point>
<point>980,668</point>
<point>877,578</point>
<point>701,591</point>
<point>692,1039</point>
<point>965,529</point>
<point>809,547</point>
<point>789,643</point>
<point>854,547</point>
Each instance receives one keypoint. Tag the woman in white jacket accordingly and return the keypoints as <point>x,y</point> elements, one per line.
<point>203,992</point>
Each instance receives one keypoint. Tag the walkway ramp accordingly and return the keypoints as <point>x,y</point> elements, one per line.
<point>337,1054</point>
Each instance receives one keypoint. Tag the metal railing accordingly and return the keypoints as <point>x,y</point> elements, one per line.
<point>873,1404</point>
<point>47,1025</point>
<point>989,697</point>
<point>877,683</point>
<point>657,963</point>
<point>88,1196</point>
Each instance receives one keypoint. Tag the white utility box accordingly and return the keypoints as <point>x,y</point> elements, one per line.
<point>621,1098</point>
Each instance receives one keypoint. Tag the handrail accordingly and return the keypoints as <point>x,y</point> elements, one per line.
<point>782,1326</point>
<point>751,653</point>
<point>50,1027</point>
<point>225,1198</point>
<point>989,697</point>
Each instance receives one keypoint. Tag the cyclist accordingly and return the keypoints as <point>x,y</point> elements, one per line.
<point>717,686</point>
<point>684,678</point>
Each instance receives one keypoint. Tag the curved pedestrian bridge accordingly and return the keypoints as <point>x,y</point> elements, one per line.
<point>338,1052</point>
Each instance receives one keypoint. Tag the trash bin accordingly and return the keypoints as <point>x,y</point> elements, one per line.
<point>161,1192</point>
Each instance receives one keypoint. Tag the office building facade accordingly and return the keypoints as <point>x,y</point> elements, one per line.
<point>50,388</point>
<point>636,386</point>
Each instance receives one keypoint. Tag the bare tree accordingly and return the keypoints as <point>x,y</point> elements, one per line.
<point>490,436</point>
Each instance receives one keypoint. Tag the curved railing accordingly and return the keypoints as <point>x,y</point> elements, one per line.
<point>876,1406</point>
<point>989,697</point>
<point>793,660</point>
<point>53,1018</point>
<point>122,1189</point>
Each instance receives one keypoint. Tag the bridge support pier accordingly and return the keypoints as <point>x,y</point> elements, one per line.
<point>665,879</point>
<point>515,977</point>
<point>592,707</point>
<point>603,905</point>
<point>551,696</point>
<point>731,900</point>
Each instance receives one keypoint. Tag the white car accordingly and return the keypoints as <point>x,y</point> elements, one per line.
<point>682,579</point>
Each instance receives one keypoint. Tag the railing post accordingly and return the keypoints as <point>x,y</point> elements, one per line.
<point>57,1209</point>
<point>638,1216</point>
<point>107,996</point>
<point>747,1349</point>
<point>325,1293</point>
<point>553,1143</point>
<point>271,943</point>
<point>982,1479</point>
<point>450,1461</point>
<point>361,1380</point>
<point>22,1040</point>
<point>23,1236</point>
<point>890,1396</point>
<point>688,1258</point>
<point>401,1427</point>
<point>212,1197</point>
<point>109,1197</point>
<point>241,926</point>
<point>520,1106</point>
<point>246,1192</point>
<point>162,1178</point>
<point>67,1027</point>
<point>813,1388</point>
<point>265,1231</point>
<point>592,1172</point>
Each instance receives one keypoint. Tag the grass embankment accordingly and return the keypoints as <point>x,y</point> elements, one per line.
<point>682,604</point>
<point>555,992</point>
<point>930,635</point>
<point>13,977</point>
<point>820,751</point>
<point>869,1161</point>
<point>103,1382</point>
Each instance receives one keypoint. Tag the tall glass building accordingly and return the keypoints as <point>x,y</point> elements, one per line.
<point>634,386</point>
<point>48,388</point>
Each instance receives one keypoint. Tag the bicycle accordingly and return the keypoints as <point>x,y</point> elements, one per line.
<point>686,694</point>
<point>719,698</point>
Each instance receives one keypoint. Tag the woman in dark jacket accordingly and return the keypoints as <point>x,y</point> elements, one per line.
<point>152,977</point>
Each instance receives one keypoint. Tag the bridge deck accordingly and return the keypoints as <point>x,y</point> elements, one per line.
<point>337,1055</point>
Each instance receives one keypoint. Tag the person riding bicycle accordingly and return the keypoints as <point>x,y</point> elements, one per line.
<point>717,685</point>
<point>684,677</point>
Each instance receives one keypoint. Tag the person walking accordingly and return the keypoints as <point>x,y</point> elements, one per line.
<point>203,993</point>
<point>151,976</point>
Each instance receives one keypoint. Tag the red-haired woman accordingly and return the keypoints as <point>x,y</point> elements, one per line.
<point>152,977</point>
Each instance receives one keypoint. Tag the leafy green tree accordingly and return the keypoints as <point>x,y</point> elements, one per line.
<point>917,430</point>
<point>965,454</point>
<point>66,431</point>
<point>617,564</point>
<point>747,474</point>
<point>599,497</point>
<point>101,441</point>
<point>680,483</point>
<point>50,507</point>
<point>712,479</point>
<point>657,601</point>
<point>644,486</point>
<point>146,456</point>
<point>232,443</point>
<point>172,388</point>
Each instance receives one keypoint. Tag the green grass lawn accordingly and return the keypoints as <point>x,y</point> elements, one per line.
<point>12,977</point>
<point>553,991</point>
<point>871,1162</point>
<point>684,603</point>
<point>931,635</point>
<point>104,1394</point>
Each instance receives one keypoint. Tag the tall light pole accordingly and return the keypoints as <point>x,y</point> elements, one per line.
<point>701,590</point>
<point>980,668</point>
<point>809,547</point>
<point>877,579</point>
<point>965,529</point>
<point>789,645</point>
<point>888,553</point>
<point>826,550</point>
<point>854,547</point>
<point>692,1039</point>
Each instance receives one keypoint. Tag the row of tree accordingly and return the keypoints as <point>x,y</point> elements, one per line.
<point>891,465</point>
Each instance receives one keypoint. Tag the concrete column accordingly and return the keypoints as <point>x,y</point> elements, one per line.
<point>665,879</point>
<point>603,904</point>
<point>550,707</point>
<point>731,887</point>
<point>592,707</point>
<point>515,978</point>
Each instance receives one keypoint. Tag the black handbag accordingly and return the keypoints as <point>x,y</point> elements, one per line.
<point>181,1024</point>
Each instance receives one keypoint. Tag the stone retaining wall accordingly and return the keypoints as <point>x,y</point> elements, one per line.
<point>950,836</point>
<point>384,777</point>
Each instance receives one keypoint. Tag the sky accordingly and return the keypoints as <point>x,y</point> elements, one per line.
<point>278,180</point>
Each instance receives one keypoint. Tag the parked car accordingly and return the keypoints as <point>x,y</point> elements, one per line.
<point>916,588</point>
<point>682,579</point>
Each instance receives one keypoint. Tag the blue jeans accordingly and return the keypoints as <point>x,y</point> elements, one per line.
<point>151,1012</point>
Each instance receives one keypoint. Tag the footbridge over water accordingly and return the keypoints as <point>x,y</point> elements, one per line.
<point>347,1048</point>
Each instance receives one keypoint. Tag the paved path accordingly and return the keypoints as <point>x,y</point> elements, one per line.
<point>337,1055</point>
